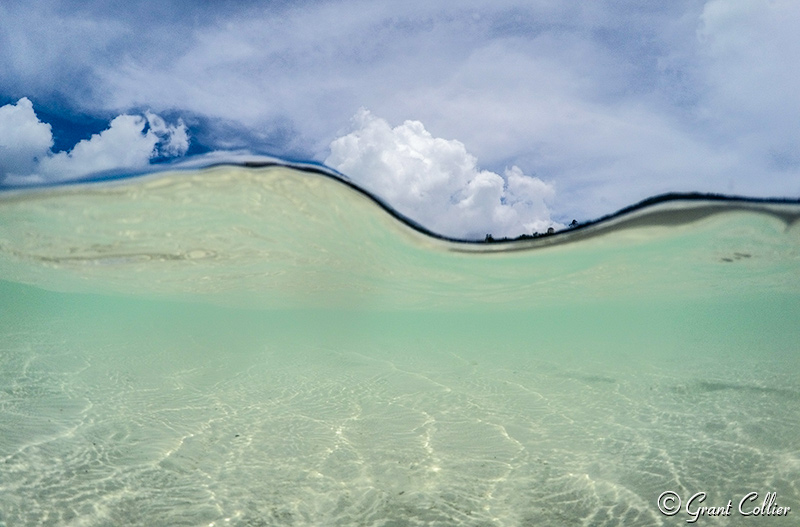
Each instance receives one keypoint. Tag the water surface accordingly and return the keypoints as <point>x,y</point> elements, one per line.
<point>270,346</point>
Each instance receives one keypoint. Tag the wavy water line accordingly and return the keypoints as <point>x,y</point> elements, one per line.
<point>669,209</point>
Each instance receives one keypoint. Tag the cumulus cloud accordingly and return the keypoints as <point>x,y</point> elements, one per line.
<point>437,183</point>
<point>173,140</point>
<point>23,138</point>
<point>130,142</point>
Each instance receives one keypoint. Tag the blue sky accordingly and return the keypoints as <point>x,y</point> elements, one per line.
<point>470,116</point>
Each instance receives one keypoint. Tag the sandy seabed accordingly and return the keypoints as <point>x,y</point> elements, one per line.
<point>121,412</point>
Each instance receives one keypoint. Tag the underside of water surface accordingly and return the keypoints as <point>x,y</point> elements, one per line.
<point>271,346</point>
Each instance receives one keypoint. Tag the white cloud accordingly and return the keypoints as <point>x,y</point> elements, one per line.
<point>437,183</point>
<point>613,101</point>
<point>23,138</point>
<point>748,53</point>
<point>130,142</point>
<point>121,145</point>
<point>173,140</point>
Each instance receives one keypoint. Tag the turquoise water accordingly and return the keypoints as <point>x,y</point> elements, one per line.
<point>267,346</point>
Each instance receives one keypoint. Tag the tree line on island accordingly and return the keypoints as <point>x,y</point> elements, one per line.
<point>491,239</point>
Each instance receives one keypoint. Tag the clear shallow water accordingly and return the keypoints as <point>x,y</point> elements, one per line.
<point>269,347</point>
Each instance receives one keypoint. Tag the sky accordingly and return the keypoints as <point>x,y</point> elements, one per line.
<point>470,117</point>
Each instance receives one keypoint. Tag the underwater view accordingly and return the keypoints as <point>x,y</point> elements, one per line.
<point>270,345</point>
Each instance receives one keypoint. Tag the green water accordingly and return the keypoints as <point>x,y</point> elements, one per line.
<point>269,347</point>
